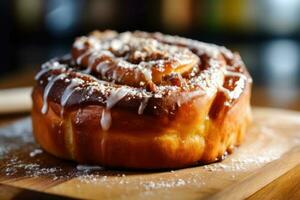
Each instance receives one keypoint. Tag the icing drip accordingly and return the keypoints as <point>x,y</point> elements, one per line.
<point>91,61</point>
<point>92,57</point>
<point>46,67</point>
<point>103,67</point>
<point>47,90</point>
<point>143,105</point>
<point>79,59</point>
<point>147,74</point>
<point>105,119</point>
<point>240,84</point>
<point>226,92</point>
<point>113,99</point>
<point>237,74</point>
<point>115,96</point>
<point>68,92</point>
<point>41,73</point>
<point>239,89</point>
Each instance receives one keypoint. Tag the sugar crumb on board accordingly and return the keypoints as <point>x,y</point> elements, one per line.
<point>35,152</point>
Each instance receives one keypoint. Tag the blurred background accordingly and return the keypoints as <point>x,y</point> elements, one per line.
<point>265,32</point>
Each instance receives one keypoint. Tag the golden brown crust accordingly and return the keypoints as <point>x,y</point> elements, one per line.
<point>200,130</point>
<point>79,136</point>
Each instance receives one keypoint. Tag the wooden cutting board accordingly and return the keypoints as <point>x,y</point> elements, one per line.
<point>271,148</point>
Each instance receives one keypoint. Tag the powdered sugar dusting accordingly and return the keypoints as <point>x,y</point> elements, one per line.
<point>151,185</point>
<point>266,141</point>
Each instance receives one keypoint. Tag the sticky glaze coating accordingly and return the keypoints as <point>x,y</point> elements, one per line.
<point>142,100</point>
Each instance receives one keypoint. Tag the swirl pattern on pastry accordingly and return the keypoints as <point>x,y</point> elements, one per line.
<point>152,78</point>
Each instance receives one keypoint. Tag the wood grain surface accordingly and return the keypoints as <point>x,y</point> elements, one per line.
<point>269,157</point>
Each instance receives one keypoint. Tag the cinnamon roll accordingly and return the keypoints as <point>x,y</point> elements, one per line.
<point>141,100</point>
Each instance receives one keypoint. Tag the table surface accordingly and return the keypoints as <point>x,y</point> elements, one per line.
<point>285,187</point>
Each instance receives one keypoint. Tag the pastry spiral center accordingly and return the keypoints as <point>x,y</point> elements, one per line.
<point>132,59</point>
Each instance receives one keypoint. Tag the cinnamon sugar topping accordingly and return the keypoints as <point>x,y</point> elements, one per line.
<point>114,69</point>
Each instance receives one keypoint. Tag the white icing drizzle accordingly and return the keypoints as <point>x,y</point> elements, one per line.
<point>227,92</point>
<point>41,73</point>
<point>91,61</point>
<point>103,68</point>
<point>214,64</point>
<point>211,50</point>
<point>115,76</point>
<point>79,59</point>
<point>116,96</point>
<point>68,92</point>
<point>147,74</point>
<point>46,67</point>
<point>113,99</point>
<point>238,90</point>
<point>231,68</point>
<point>79,44</point>
<point>105,119</point>
<point>70,89</point>
<point>143,105</point>
<point>234,94</point>
<point>47,90</point>
<point>237,74</point>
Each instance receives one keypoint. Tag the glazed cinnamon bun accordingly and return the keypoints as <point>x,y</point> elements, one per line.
<point>141,100</point>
